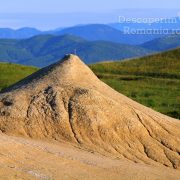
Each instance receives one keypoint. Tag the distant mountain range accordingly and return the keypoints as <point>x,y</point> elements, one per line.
<point>45,49</point>
<point>23,33</point>
<point>112,32</point>
<point>94,32</point>
<point>164,43</point>
<point>93,43</point>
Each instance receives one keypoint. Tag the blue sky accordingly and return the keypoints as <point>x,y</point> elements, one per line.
<point>48,14</point>
<point>49,6</point>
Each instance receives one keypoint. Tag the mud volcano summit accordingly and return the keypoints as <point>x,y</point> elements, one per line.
<point>66,102</point>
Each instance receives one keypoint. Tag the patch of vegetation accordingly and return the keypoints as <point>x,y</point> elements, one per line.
<point>163,65</point>
<point>11,73</point>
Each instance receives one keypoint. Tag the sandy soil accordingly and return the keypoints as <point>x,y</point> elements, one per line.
<point>22,158</point>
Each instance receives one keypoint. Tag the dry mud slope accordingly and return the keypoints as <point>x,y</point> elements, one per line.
<point>66,102</point>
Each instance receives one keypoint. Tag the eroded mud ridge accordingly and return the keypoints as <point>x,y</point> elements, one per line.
<point>67,102</point>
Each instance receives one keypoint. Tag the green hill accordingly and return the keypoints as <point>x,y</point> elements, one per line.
<point>153,80</point>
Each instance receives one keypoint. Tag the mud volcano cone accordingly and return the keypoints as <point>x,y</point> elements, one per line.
<point>67,102</point>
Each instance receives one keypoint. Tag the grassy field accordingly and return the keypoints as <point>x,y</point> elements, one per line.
<point>11,73</point>
<point>153,81</point>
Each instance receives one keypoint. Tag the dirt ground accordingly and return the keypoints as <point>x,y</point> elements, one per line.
<point>22,158</point>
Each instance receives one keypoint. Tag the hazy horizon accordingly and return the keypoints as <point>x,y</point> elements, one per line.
<point>46,14</point>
